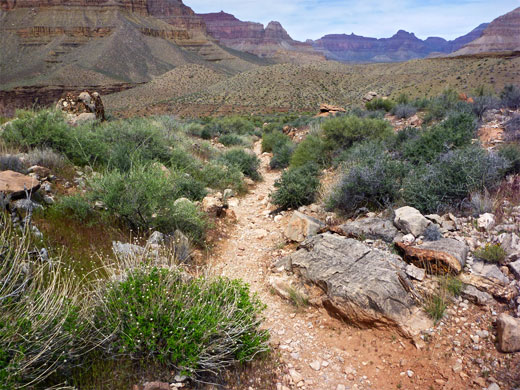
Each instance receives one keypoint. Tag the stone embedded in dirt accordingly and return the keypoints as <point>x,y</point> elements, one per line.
<point>315,365</point>
<point>181,246</point>
<point>156,238</point>
<point>487,270</point>
<point>508,332</point>
<point>415,272</point>
<point>156,386</point>
<point>473,294</point>
<point>486,221</point>
<point>515,268</point>
<point>373,228</point>
<point>443,256</point>
<point>493,386</point>
<point>410,220</point>
<point>16,184</point>
<point>510,242</point>
<point>364,286</point>
<point>301,226</point>
<point>39,171</point>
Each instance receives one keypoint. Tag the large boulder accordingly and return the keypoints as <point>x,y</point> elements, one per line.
<point>444,256</point>
<point>363,286</point>
<point>410,220</point>
<point>301,226</point>
<point>508,332</point>
<point>490,271</point>
<point>84,103</point>
<point>372,228</point>
<point>16,184</point>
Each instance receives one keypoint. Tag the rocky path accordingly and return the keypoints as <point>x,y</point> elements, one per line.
<point>318,352</point>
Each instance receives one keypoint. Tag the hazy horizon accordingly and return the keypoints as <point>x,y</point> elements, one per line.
<point>312,19</point>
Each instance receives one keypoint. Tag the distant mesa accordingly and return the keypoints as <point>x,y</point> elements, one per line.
<point>502,35</point>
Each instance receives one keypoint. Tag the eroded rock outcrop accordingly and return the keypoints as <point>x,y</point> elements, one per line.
<point>363,286</point>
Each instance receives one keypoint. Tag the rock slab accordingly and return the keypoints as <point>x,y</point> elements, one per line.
<point>508,332</point>
<point>440,257</point>
<point>363,286</point>
<point>373,228</point>
<point>16,184</point>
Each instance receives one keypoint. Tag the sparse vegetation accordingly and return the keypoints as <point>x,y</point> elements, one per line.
<point>493,253</point>
<point>511,96</point>
<point>404,111</point>
<point>380,104</point>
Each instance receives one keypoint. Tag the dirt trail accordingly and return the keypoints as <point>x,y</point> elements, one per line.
<point>317,351</point>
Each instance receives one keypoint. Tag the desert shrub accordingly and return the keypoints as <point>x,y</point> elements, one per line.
<point>245,161</point>
<point>43,328</point>
<point>191,325</point>
<point>455,132</point>
<point>76,206</point>
<point>511,96</point>
<point>403,98</point>
<point>432,233</point>
<point>420,103</point>
<point>45,158</point>
<point>511,153</point>
<point>380,104</point>
<point>484,103</point>
<point>219,176</point>
<point>445,104</point>
<point>512,129</point>
<point>480,203</point>
<point>231,139</point>
<point>493,253</point>
<point>371,179</point>
<point>229,124</point>
<point>144,197</point>
<point>11,163</point>
<point>297,187</point>
<point>45,128</point>
<point>274,139</point>
<point>194,129</point>
<point>311,150</point>
<point>404,111</point>
<point>282,156</point>
<point>182,160</point>
<point>447,182</point>
<point>343,132</point>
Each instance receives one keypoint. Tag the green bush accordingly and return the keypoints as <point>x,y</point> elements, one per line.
<point>231,139</point>
<point>219,177</point>
<point>297,187</point>
<point>493,253</point>
<point>511,96</point>
<point>343,132</point>
<point>43,128</point>
<point>229,125</point>
<point>274,139</point>
<point>445,183</point>
<point>444,104</point>
<point>511,153</point>
<point>282,156</point>
<point>455,132</point>
<point>195,325</point>
<point>311,150</point>
<point>245,161</point>
<point>371,179</point>
<point>380,104</point>
<point>144,197</point>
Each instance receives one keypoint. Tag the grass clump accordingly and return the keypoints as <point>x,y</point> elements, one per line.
<point>245,161</point>
<point>192,325</point>
<point>492,253</point>
<point>511,96</point>
<point>297,187</point>
<point>435,306</point>
<point>11,163</point>
<point>231,140</point>
<point>511,153</point>
<point>274,139</point>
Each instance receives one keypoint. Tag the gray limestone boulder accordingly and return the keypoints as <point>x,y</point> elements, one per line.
<point>372,228</point>
<point>363,286</point>
<point>410,220</point>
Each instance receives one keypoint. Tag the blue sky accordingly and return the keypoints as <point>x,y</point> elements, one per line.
<point>312,19</point>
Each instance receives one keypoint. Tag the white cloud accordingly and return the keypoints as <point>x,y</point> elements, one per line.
<point>305,19</point>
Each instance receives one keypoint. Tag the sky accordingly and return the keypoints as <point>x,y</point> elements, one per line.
<point>311,19</point>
